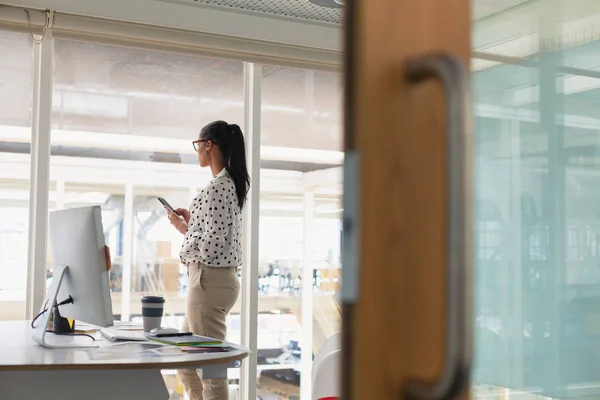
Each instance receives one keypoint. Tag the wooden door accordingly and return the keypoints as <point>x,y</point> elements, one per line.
<point>397,212</point>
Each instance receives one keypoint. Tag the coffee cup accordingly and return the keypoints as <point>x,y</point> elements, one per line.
<point>152,311</point>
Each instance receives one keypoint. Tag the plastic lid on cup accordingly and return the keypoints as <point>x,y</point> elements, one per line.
<point>153,299</point>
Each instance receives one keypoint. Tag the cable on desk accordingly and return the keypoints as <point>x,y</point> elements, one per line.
<point>67,301</point>
<point>71,334</point>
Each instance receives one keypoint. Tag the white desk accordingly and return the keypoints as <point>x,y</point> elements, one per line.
<point>112,371</point>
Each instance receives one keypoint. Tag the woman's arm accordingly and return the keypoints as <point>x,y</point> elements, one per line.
<point>179,221</point>
<point>215,213</point>
<point>184,213</point>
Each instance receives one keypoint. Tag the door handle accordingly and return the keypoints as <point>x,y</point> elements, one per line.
<point>454,77</point>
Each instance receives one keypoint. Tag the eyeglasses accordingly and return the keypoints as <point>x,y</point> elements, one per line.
<point>196,143</point>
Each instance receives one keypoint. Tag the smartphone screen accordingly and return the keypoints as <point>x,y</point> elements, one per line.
<point>165,203</point>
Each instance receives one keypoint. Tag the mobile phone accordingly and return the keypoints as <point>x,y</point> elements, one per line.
<point>165,203</point>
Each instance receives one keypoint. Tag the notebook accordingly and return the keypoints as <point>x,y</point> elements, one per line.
<point>189,340</point>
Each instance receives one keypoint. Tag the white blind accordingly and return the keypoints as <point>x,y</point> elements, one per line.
<point>167,39</point>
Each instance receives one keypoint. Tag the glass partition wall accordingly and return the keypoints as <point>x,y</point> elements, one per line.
<point>16,88</point>
<point>122,122</point>
<point>537,191</point>
<point>299,232</point>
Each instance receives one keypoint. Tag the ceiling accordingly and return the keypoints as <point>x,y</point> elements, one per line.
<point>307,11</point>
<point>486,8</point>
<point>297,9</point>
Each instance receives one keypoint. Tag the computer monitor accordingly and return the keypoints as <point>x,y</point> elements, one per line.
<point>80,262</point>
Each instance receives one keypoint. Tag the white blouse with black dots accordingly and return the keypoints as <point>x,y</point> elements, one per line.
<point>214,235</point>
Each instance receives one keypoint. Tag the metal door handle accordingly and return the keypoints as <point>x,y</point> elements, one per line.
<point>455,79</point>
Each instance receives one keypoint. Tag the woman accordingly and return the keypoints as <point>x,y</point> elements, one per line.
<point>212,248</point>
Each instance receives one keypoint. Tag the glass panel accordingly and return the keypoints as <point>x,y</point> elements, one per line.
<point>301,119</point>
<point>123,124</point>
<point>537,190</point>
<point>156,268</point>
<point>301,109</point>
<point>16,82</point>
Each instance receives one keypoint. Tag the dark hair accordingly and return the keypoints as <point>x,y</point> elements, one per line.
<point>230,139</point>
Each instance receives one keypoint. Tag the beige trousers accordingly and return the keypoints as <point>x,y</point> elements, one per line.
<point>212,292</point>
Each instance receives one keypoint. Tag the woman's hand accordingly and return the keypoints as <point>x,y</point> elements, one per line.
<point>178,221</point>
<point>184,213</point>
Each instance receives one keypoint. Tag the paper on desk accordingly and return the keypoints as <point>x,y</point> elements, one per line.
<point>187,340</point>
<point>82,327</point>
<point>133,350</point>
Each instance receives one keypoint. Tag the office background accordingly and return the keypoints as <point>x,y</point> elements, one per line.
<point>122,117</point>
<point>124,88</point>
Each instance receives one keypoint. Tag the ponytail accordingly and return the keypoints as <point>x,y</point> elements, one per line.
<point>236,164</point>
<point>231,141</point>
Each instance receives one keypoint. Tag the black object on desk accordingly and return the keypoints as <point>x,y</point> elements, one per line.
<point>61,324</point>
<point>173,334</point>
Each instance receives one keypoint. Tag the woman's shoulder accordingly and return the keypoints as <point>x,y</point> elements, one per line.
<point>222,182</point>
<point>221,187</point>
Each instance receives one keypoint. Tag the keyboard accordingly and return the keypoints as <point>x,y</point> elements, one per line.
<point>115,335</point>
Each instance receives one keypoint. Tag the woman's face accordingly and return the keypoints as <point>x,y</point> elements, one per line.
<point>203,148</point>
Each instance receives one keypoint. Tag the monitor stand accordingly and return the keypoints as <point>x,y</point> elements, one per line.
<point>52,341</point>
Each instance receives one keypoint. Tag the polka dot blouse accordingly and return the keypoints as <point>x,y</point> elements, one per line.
<point>214,235</point>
